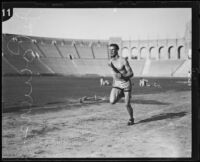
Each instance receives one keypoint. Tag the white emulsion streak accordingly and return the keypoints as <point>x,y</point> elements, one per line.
<point>28,56</point>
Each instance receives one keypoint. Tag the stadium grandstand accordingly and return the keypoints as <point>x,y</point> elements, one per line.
<point>54,56</point>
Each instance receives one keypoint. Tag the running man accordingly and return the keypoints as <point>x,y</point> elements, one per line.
<point>122,73</point>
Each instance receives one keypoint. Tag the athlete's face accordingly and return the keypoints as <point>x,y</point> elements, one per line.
<point>113,51</point>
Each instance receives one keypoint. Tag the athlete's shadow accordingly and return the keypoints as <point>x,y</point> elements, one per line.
<point>144,102</point>
<point>163,116</point>
<point>151,102</point>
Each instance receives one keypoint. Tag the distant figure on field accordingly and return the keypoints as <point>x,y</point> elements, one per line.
<point>104,82</point>
<point>143,82</point>
<point>156,84</point>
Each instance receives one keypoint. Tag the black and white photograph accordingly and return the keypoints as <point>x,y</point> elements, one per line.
<point>97,83</point>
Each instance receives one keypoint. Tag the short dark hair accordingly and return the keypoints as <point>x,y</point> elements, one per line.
<point>115,45</point>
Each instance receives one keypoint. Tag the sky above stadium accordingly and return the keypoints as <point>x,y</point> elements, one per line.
<point>99,23</point>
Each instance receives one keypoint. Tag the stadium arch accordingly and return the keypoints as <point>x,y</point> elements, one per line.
<point>125,52</point>
<point>171,54</point>
<point>152,52</point>
<point>181,52</point>
<point>143,53</point>
<point>160,52</point>
<point>134,53</point>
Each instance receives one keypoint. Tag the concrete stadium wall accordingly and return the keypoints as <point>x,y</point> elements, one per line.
<point>166,49</point>
<point>161,68</point>
<point>184,69</point>
<point>137,67</point>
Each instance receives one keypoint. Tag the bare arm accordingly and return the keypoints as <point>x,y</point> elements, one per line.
<point>129,73</point>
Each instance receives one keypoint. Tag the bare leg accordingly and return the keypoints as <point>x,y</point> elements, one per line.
<point>128,105</point>
<point>115,95</point>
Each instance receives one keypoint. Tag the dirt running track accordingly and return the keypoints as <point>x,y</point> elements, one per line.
<point>162,129</point>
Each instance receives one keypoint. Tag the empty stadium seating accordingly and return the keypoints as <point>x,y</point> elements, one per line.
<point>38,68</point>
<point>60,65</point>
<point>68,50</point>
<point>103,68</point>
<point>93,66</point>
<point>48,48</point>
<point>16,60</point>
<point>76,57</point>
<point>29,45</point>
<point>8,68</point>
<point>84,50</point>
<point>19,63</point>
<point>10,44</point>
<point>84,67</point>
<point>18,57</point>
<point>100,51</point>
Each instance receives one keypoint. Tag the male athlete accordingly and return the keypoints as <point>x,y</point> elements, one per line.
<point>122,73</point>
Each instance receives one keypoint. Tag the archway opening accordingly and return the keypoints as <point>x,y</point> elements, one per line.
<point>134,53</point>
<point>125,52</point>
<point>189,54</point>
<point>161,52</point>
<point>143,53</point>
<point>152,53</point>
<point>171,52</point>
<point>181,52</point>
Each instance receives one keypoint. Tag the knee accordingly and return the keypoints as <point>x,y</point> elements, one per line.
<point>112,101</point>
